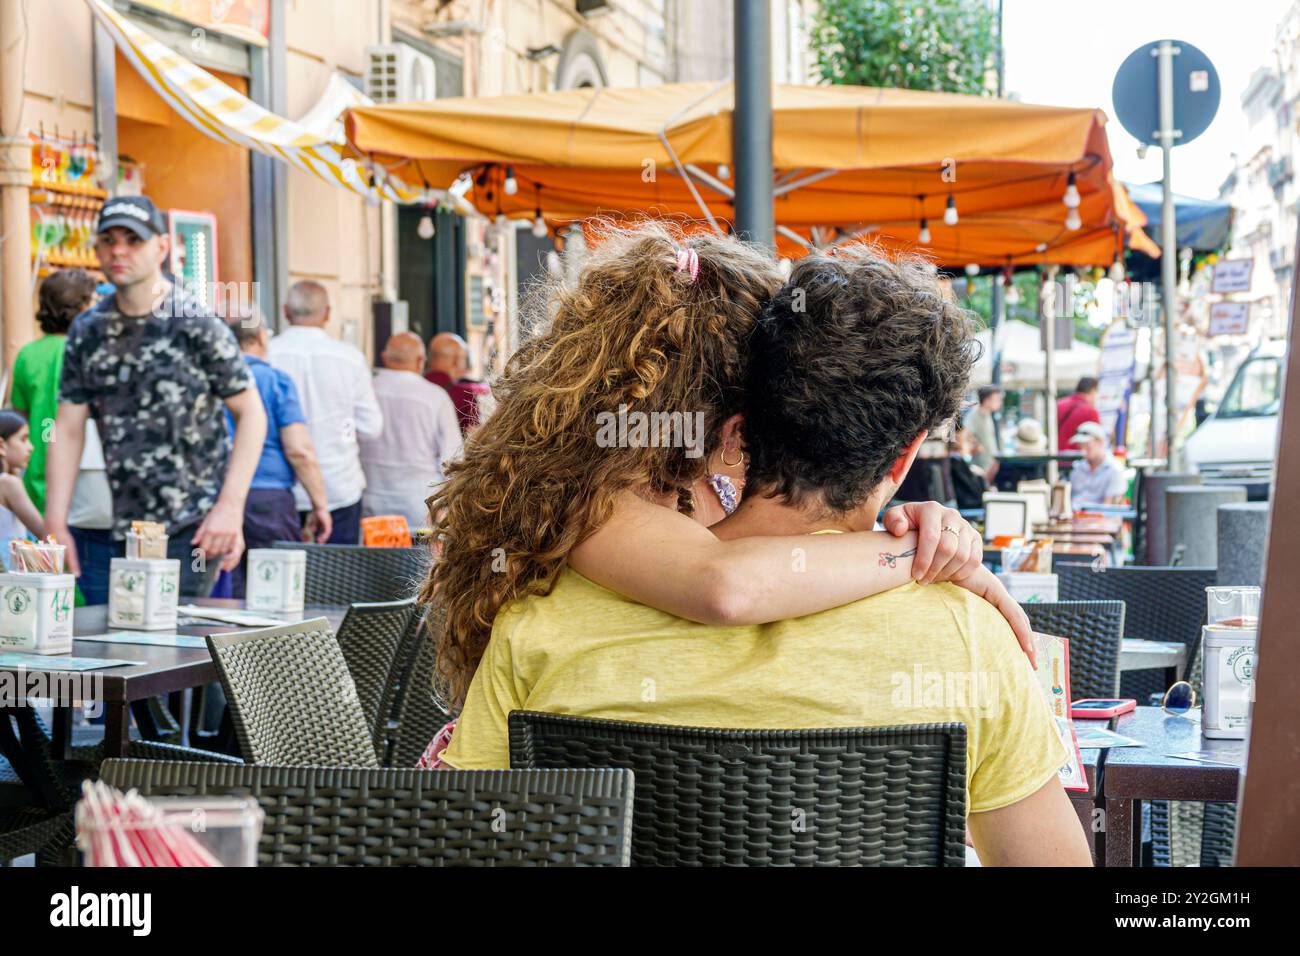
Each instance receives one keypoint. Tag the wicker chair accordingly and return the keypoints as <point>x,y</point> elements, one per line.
<point>1160,604</point>
<point>876,796</point>
<point>344,573</point>
<point>418,715</point>
<point>371,635</point>
<point>291,698</point>
<point>1094,630</point>
<point>319,816</point>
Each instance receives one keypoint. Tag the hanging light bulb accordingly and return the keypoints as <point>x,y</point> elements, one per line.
<point>1072,193</point>
<point>950,213</point>
<point>923,237</point>
<point>1073,220</point>
<point>724,171</point>
<point>512,184</point>
<point>972,269</point>
<point>1117,270</point>
<point>425,229</point>
<point>539,226</point>
<point>1041,247</point>
<point>1013,294</point>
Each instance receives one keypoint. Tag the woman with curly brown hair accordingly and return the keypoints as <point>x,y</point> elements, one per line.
<point>567,471</point>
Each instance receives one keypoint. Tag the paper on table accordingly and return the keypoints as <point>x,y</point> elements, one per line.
<point>1094,738</point>
<point>39,662</point>
<point>229,616</point>
<point>1228,758</point>
<point>154,639</point>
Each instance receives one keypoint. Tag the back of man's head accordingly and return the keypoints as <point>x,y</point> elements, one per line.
<point>249,327</point>
<point>404,352</point>
<point>856,355</point>
<point>308,303</point>
<point>987,393</point>
<point>1087,385</point>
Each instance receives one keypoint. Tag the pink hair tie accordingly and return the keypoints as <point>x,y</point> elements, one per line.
<point>688,260</point>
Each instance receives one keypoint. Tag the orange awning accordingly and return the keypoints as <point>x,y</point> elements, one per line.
<point>850,161</point>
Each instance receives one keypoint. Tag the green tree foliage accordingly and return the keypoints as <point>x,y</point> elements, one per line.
<point>940,45</point>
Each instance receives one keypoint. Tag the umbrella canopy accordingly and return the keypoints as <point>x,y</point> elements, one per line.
<point>1204,225</point>
<point>850,161</point>
<point>1023,358</point>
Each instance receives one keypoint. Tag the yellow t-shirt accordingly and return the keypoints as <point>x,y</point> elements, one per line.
<point>910,655</point>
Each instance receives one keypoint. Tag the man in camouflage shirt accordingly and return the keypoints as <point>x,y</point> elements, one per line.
<point>155,370</point>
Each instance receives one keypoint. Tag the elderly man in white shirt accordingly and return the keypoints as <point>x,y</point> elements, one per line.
<point>405,463</point>
<point>338,399</point>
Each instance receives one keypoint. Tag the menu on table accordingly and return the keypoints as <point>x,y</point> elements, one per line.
<point>151,638</point>
<point>1054,681</point>
<point>40,662</point>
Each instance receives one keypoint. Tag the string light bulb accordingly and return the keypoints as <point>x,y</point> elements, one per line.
<point>425,230</point>
<point>923,237</point>
<point>512,184</point>
<point>539,226</point>
<point>972,269</point>
<point>1073,220</point>
<point>950,212</point>
<point>724,171</point>
<point>1116,271</point>
<point>1071,199</point>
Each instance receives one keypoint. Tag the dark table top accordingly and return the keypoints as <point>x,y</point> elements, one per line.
<point>160,670</point>
<point>1152,773</point>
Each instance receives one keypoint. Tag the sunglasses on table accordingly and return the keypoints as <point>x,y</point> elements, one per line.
<point>1180,701</point>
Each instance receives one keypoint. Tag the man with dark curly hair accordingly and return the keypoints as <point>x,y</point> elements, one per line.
<point>856,360</point>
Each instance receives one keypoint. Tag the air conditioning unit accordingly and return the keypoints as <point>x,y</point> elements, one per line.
<point>398,73</point>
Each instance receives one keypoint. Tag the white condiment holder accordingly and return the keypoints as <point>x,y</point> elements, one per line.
<point>36,612</point>
<point>143,593</point>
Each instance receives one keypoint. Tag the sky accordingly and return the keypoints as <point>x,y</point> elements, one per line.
<point>1063,53</point>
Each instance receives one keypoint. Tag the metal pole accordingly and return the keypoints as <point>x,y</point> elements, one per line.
<point>752,129</point>
<point>998,316</point>
<point>1169,240</point>
<point>1048,318</point>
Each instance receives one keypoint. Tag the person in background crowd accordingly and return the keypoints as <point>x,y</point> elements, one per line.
<point>271,514</point>
<point>155,370</point>
<point>983,426</point>
<point>405,463</point>
<point>1073,410</point>
<point>882,358</point>
<point>448,367</point>
<point>1030,439</point>
<point>968,482</point>
<point>337,398</point>
<point>37,370</point>
<point>35,389</point>
<point>18,515</point>
<point>1098,479</point>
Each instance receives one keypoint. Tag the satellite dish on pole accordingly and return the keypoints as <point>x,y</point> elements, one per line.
<point>1137,97</point>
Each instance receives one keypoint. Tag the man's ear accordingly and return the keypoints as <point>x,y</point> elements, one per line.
<point>904,461</point>
<point>165,251</point>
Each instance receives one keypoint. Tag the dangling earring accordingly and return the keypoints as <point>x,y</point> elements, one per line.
<point>732,464</point>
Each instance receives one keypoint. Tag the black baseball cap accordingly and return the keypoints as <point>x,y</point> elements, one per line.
<point>137,213</point>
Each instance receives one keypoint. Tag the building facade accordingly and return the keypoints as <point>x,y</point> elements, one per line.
<point>1262,186</point>
<point>262,224</point>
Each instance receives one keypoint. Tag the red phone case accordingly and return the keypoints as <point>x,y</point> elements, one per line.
<point>1087,713</point>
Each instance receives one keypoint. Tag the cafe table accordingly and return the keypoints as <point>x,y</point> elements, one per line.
<point>1153,772</point>
<point>153,670</point>
<point>1087,804</point>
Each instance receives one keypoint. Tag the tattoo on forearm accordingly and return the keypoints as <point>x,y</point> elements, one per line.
<point>888,560</point>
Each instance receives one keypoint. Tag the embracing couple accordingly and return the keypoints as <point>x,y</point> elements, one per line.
<point>744,586</point>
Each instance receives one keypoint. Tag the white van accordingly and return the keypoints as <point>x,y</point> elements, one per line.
<point>1237,445</point>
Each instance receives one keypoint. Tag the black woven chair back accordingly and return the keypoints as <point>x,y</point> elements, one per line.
<point>874,796</point>
<point>1160,604</point>
<point>318,816</point>
<point>1094,630</point>
<point>371,636</point>
<point>291,697</point>
<point>345,573</point>
<point>418,715</point>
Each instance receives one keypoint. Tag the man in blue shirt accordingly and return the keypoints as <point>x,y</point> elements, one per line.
<point>288,454</point>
